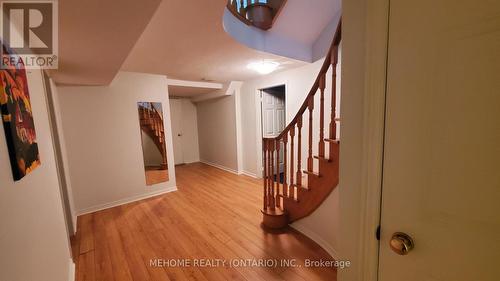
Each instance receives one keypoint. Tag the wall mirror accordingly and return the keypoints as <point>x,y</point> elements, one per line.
<point>153,142</point>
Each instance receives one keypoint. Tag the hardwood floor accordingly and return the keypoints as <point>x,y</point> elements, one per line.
<point>154,176</point>
<point>215,216</point>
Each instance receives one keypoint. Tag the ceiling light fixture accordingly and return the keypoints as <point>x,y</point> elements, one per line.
<point>263,67</point>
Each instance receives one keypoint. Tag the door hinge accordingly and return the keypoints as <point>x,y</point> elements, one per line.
<point>377,233</point>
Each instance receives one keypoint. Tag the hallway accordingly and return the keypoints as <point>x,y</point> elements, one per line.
<point>214,216</point>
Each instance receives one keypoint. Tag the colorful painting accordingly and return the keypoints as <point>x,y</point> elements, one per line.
<point>17,116</point>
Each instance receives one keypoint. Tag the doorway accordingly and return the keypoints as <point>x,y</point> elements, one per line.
<point>183,114</point>
<point>439,109</point>
<point>176,115</point>
<point>441,183</point>
<point>273,116</point>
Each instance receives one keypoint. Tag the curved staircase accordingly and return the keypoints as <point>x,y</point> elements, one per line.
<point>152,124</point>
<point>291,193</point>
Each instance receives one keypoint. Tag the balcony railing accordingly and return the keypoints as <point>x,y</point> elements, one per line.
<point>259,13</point>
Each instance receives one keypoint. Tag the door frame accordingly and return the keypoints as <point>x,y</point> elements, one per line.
<point>58,145</point>
<point>178,102</point>
<point>363,87</point>
<point>262,93</point>
<point>258,114</point>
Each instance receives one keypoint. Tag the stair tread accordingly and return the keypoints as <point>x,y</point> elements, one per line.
<point>301,187</point>
<point>312,173</point>
<point>322,158</point>
<point>289,198</point>
<point>332,140</point>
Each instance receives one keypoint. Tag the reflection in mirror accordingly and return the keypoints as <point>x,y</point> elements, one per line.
<point>153,142</point>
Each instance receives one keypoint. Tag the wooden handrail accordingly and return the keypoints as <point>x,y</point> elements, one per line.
<point>287,197</point>
<point>315,87</point>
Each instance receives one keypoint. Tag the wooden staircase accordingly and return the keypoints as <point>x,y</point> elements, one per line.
<point>288,196</point>
<point>152,124</point>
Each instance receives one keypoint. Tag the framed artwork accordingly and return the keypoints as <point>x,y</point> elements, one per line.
<point>17,116</point>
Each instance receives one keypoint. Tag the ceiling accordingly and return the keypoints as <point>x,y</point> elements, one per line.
<point>186,40</point>
<point>95,37</point>
<point>303,21</point>
<point>178,38</point>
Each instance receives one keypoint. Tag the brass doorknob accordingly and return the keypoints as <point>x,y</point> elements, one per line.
<point>401,243</point>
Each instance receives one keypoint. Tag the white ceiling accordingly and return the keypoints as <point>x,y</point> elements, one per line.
<point>178,38</point>
<point>96,36</point>
<point>303,21</point>
<point>186,40</point>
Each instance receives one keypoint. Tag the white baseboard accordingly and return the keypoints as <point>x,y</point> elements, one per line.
<point>74,217</point>
<point>125,201</point>
<point>193,161</point>
<point>72,271</point>
<point>252,175</point>
<point>316,238</point>
<point>220,167</point>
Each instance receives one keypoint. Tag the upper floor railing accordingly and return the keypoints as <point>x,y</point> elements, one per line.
<point>259,13</point>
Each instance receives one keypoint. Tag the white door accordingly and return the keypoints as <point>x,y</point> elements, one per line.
<point>273,118</point>
<point>442,143</point>
<point>176,115</point>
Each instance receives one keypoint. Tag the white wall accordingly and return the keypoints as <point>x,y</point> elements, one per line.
<point>217,132</point>
<point>185,122</point>
<point>323,225</point>
<point>33,239</point>
<point>189,125</point>
<point>324,40</point>
<point>103,140</point>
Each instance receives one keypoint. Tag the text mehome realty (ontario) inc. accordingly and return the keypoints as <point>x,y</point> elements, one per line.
<point>270,263</point>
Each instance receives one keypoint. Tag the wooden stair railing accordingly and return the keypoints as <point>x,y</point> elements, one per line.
<point>152,124</point>
<point>258,13</point>
<point>288,196</point>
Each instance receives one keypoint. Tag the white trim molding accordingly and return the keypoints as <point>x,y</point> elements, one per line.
<point>239,129</point>
<point>218,166</point>
<point>258,119</point>
<point>126,200</point>
<point>71,270</point>
<point>233,171</point>
<point>365,32</point>
<point>249,174</point>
